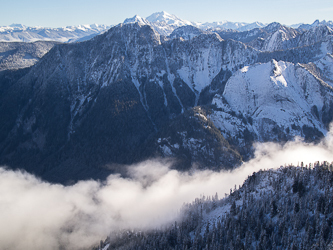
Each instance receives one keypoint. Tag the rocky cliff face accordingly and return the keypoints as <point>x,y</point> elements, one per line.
<point>102,98</point>
<point>275,101</point>
<point>87,106</point>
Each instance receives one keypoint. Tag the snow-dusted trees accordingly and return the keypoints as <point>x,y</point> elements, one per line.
<point>289,208</point>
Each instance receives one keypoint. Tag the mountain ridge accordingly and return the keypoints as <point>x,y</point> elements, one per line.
<point>163,22</point>
<point>85,106</point>
<point>21,33</point>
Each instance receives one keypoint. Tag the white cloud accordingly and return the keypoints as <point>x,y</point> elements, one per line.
<point>39,215</point>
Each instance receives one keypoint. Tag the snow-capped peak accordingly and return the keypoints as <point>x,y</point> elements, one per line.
<point>164,17</point>
<point>136,19</point>
<point>17,25</point>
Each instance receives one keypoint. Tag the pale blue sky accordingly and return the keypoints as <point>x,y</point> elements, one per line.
<point>58,13</point>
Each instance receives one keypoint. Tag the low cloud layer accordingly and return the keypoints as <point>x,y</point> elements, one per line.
<point>39,215</point>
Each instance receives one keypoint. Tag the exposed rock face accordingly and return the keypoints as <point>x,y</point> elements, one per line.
<point>193,138</point>
<point>275,101</point>
<point>85,106</point>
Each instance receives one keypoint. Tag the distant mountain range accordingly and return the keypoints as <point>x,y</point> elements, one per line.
<point>21,33</point>
<point>257,35</point>
<point>163,22</point>
<point>316,23</point>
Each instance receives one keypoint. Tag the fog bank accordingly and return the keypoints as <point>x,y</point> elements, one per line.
<point>39,215</point>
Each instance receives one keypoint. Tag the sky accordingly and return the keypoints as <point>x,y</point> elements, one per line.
<point>62,13</point>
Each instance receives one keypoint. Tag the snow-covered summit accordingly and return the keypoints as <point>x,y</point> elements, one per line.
<point>165,23</point>
<point>17,26</point>
<point>162,22</point>
<point>164,17</point>
<point>137,19</point>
